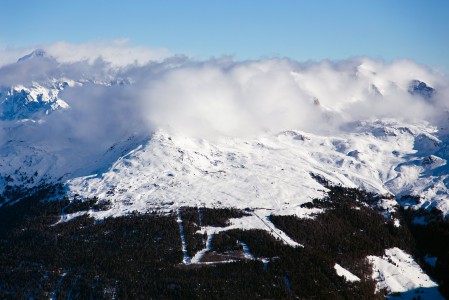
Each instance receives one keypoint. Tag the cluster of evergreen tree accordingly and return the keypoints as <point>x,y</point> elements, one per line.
<point>132,257</point>
<point>139,256</point>
<point>219,217</point>
<point>195,217</point>
<point>431,239</point>
<point>190,222</point>
<point>78,205</point>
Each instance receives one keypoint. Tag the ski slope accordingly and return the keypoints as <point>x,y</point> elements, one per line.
<point>397,272</point>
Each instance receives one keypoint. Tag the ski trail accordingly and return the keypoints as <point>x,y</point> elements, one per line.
<point>54,294</point>
<point>68,217</point>
<point>246,251</point>
<point>63,217</point>
<point>200,217</point>
<point>199,255</point>
<point>186,258</point>
<point>287,283</point>
<point>277,232</point>
<point>265,263</point>
<point>63,214</point>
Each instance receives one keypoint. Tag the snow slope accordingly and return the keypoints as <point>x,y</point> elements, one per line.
<point>219,134</point>
<point>99,143</point>
<point>21,102</point>
<point>342,272</point>
<point>397,272</point>
<point>272,172</point>
<point>253,221</point>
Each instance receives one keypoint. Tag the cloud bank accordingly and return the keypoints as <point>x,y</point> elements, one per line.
<point>218,97</point>
<point>239,98</point>
<point>118,53</point>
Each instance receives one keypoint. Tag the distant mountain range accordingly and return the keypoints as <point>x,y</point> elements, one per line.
<point>136,170</point>
<point>384,156</point>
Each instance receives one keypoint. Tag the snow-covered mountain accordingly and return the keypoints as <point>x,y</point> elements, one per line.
<point>265,137</point>
<point>36,54</point>
<point>141,167</point>
<point>21,102</point>
<point>275,171</point>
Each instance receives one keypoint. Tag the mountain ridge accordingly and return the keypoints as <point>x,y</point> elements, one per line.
<point>260,169</point>
<point>383,155</point>
<point>36,54</point>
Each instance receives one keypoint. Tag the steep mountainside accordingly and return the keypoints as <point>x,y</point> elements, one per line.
<point>340,168</point>
<point>273,172</point>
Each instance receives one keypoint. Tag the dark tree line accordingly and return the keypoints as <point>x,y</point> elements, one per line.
<point>431,239</point>
<point>139,256</point>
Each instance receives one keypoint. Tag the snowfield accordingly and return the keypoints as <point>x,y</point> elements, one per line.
<point>272,172</point>
<point>258,219</point>
<point>345,273</point>
<point>180,133</point>
<point>250,135</point>
<point>397,272</point>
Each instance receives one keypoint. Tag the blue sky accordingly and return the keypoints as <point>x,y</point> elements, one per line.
<point>302,30</point>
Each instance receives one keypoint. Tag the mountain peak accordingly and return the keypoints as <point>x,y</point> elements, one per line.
<point>38,53</point>
<point>417,87</point>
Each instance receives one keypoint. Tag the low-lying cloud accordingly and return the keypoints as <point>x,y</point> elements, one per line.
<point>117,53</point>
<point>247,98</point>
<point>219,97</point>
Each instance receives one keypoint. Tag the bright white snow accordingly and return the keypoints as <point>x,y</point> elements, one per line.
<point>257,220</point>
<point>270,172</point>
<point>260,129</point>
<point>397,272</point>
<point>199,255</point>
<point>345,273</point>
<point>186,259</point>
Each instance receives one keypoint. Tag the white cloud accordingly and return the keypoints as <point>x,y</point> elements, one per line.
<point>10,55</point>
<point>207,99</point>
<point>118,53</point>
<point>250,97</point>
<point>222,97</point>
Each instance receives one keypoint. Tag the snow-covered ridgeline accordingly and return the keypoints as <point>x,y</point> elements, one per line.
<point>21,102</point>
<point>263,168</point>
<point>273,171</point>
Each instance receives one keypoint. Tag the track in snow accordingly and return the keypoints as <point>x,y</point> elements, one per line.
<point>199,255</point>
<point>186,259</point>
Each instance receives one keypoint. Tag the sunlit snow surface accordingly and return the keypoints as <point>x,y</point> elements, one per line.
<point>131,135</point>
<point>258,219</point>
<point>21,102</point>
<point>345,273</point>
<point>397,272</point>
<point>271,172</point>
